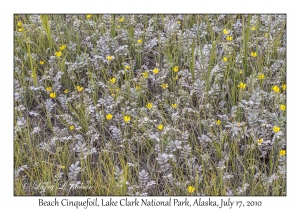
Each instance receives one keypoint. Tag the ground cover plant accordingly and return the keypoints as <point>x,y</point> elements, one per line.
<point>150,104</point>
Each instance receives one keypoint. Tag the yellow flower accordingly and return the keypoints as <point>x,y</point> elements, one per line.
<point>88,16</point>
<point>118,26</point>
<point>121,19</point>
<point>20,29</point>
<point>253,54</point>
<point>191,189</point>
<point>229,38</point>
<point>266,35</point>
<point>79,88</point>
<point>276,129</point>
<point>253,28</point>
<point>240,71</point>
<point>276,89</point>
<point>62,167</point>
<point>127,67</point>
<point>137,87</point>
<point>155,71</point>
<point>160,127</point>
<point>283,87</point>
<point>218,122</point>
<point>42,62</point>
<point>176,68</point>
<point>19,23</point>
<point>49,89</point>
<point>149,105</point>
<point>282,107</point>
<point>225,31</point>
<point>175,78</point>
<point>225,59</point>
<point>282,152</point>
<point>109,116</point>
<point>53,95</point>
<point>164,85</point>
<point>126,118</point>
<point>139,41</point>
<point>260,76</point>
<point>260,141</point>
<point>109,57</point>
<point>63,47</point>
<point>145,75</point>
<point>242,85</point>
<point>58,54</point>
<point>178,22</point>
<point>72,127</point>
<point>66,91</point>
<point>174,106</point>
<point>112,80</point>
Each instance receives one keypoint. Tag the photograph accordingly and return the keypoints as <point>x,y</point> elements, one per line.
<point>149,105</point>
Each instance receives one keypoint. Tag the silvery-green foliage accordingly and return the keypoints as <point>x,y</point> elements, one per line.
<point>143,176</point>
<point>35,130</point>
<point>191,135</point>
<point>103,48</point>
<point>21,122</point>
<point>115,132</point>
<point>20,170</point>
<point>80,147</point>
<point>74,170</point>
<point>162,160</point>
<point>242,190</point>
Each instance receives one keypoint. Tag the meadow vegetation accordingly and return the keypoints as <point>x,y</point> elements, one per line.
<point>150,104</point>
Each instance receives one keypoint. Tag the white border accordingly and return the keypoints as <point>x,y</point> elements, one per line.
<point>8,201</point>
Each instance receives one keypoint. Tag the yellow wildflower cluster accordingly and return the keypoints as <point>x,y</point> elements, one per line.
<point>229,38</point>
<point>145,75</point>
<point>109,57</point>
<point>48,89</point>
<point>62,47</point>
<point>109,116</point>
<point>253,54</point>
<point>126,118</point>
<point>79,88</point>
<point>164,85</point>
<point>191,189</point>
<point>175,68</point>
<point>242,85</point>
<point>276,129</point>
<point>149,105</point>
<point>155,71</point>
<point>113,80</point>
<point>225,31</point>
<point>121,19</point>
<point>53,95</point>
<point>282,152</point>
<point>260,141</point>
<point>260,76</point>
<point>276,89</point>
<point>58,54</point>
